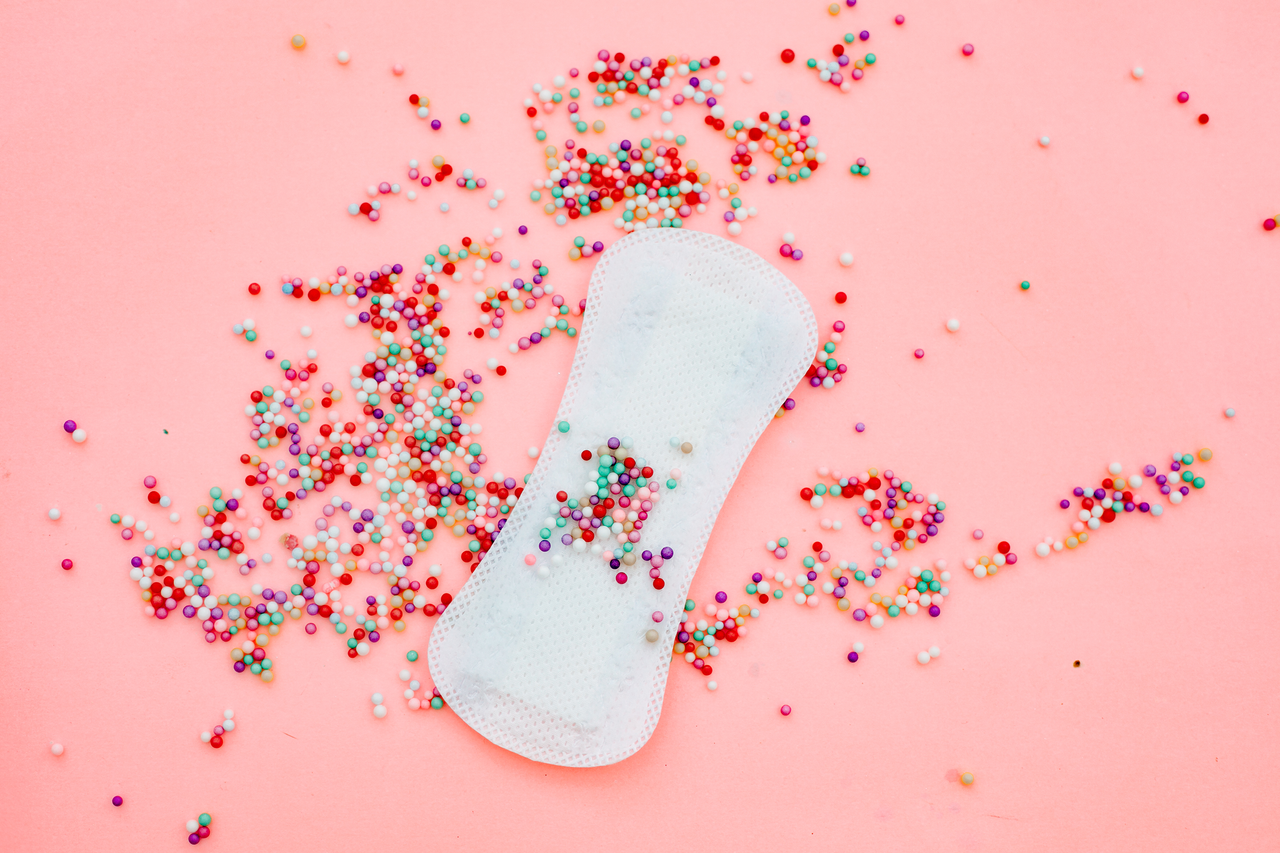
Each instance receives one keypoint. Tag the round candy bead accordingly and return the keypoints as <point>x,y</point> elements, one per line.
<point>966,778</point>
<point>899,20</point>
<point>846,259</point>
<point>117,800</point>
<point>953,325</point>
<point>1026,285</point>
<point>977,534</point>
<point>788,55</point>
<point>786,710</point>
<point>55,513</point>
<point>56,749</point>
<point>967,50</point>
<point>1204,118</point>
<point>69,426</point>
<point>1137,72</point>
<point>67,564</point>
<point>1231,413</point>
<point>1044,142</point>
<point>919,353</point>
<point>343,57</point>
<point>1183,97</point>
<point>298,42</point>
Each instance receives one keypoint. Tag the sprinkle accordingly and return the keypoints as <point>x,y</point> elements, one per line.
<point>397,69</point>
<point>860,426</point>
<point>786,710</point>
<point>1044,142</point>
<point>846,260</point>
<point>56,749</point>
<point>1026,285</point>
<point>79,436</point>
<point>923,657</point>
<point>117,800</point>
<point>1231,413</point>
<point>465,118</point>
<point>1204,118</point>
<point>67,564</point>
<point>1137,72</point>
<point>966,779</point>
<point>343,57</point>
<point>1183,97</point>
<point>841,297</point>
<point>711,685</point>
<point>919,353</point>
<point>533,452</point>
<point>967,50</point>
<point>298,42</point>
<point>977,534</point>
<point>788,55</point>
<point>55,513</point>
<point>69,426</point>
<point>953,325</point>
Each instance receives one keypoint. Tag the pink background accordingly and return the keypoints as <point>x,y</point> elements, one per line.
<point>158,156</point>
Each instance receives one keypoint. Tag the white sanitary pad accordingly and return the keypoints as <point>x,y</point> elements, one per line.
<point>686,335</point>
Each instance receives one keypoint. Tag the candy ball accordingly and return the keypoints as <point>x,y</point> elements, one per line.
<point>117,800</point>
<point>788,55</point>
<point>67,564</point>
<point>69,426</point>
<point>953,325</point>
<point>846,259</point>
<point>344,57</point>
<point>1183,97</point>
<point>1137,72</point>
<point>966,778</point>
<point>57,749</point>
<point>786,710</point>
<point>967,50</point>
<point>79,436</point>
<point>298,42</point>
<point>55,513</point>
<point>1044,142</point>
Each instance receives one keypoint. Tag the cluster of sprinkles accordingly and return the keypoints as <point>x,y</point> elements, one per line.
<point>833,71</point>
<point>789,142</point>
<point>466,180</point>
<point>613,504</point>
<point>77,433</point>
<point>925,589</point>
<point>656,188</point>
<point>248,328</point>
<point>826,370</point>
<point>410,437</point>
<point>227,724</point>
<point>615,79</point>
<point>198,828</point>
<point>1117,496</point>
<point>432,703</point>
<point>514,296</point>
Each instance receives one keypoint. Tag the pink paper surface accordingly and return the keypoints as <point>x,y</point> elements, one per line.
<point>159,156</point>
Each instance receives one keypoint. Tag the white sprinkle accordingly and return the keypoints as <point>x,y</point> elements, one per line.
<point>1137,72</point>
<point>846,259</point>
<point>953,325</point>
<point>344,57</point>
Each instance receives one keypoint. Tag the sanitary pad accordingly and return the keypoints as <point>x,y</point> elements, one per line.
<point>686,336</point>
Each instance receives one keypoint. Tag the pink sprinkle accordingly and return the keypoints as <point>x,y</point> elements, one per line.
<point>977,534</point>
<point>786,710</point>
<point>919,353</point>
<point>657,615</point>
<point>967,50</point>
